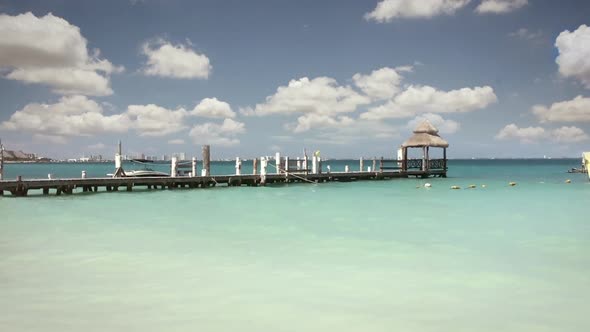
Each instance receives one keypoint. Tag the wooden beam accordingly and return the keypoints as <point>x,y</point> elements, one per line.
<point>206,160</point>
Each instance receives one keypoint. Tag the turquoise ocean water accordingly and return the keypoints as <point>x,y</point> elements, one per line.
<point>362,256</point>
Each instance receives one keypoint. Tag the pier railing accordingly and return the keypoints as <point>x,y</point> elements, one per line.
<point>433,164</point>
<point>414,164</point>
<point>437,164</point>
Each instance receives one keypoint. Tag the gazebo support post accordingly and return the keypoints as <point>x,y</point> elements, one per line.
<point>405,160</point>
<point>427,165</point>
<point>445,159</point>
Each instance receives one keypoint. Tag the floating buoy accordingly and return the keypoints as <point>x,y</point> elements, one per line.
<point>512,184</point>
<point>427,185</point>
<point>472,186</point>
<point>483,185</point>
<point>568,181</point>
<point>455,187</point>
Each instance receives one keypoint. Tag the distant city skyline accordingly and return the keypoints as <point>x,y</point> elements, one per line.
<point>499,78</point>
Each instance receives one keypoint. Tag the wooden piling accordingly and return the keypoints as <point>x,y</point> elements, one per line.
<point>254,166</point>
<point>206,160</point>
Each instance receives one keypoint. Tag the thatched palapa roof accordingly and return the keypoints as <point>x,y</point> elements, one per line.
<point>425,134</point>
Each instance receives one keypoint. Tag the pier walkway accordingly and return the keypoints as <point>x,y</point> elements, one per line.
<point>22,187</point>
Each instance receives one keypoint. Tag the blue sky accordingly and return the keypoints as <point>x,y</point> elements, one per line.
<point>499,78</point>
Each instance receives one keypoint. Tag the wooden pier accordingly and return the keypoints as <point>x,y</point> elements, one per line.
<point>21,188</point>
<point>266,170</point>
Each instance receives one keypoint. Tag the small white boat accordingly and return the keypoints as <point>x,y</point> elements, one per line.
<point>145,172</point>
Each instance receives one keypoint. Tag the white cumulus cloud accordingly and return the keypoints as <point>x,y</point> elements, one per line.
<point>70,116</point>
<point>388,10</point>
<point>444,126</point>
<point>79,116</point>
<point>218,134</point>
<point>321,95</point>
<point>535,134</point>
<point>574,54</point>
<point>312,120</point>
<point>213,108</point>
<point>49,50</point>
<point>382,83</point>
<point>500,6</point>
<point>176,61</point>
<point>575,110</point>
<point>154,120</point>
<point>525,135</point>
<point>569,135</point>
<point>426,99</point>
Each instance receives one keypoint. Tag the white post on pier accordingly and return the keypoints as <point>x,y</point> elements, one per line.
<point>298,164</point>
<point>314,164</point>
<point>400,157</point>
<point>119,162</point>
<point>346,169</point>
<point>319,165</point>
<point>174,167</point>
<point>194,167</point>
<point>286,165</point>
<point>263,165</point>
<point>238,166</point>
<point>278,162</point>
<point>305,163</point>
<point>83,174</point>
<point>361,164</point>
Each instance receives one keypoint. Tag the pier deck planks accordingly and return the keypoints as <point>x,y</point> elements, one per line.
<point>68,186</point>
